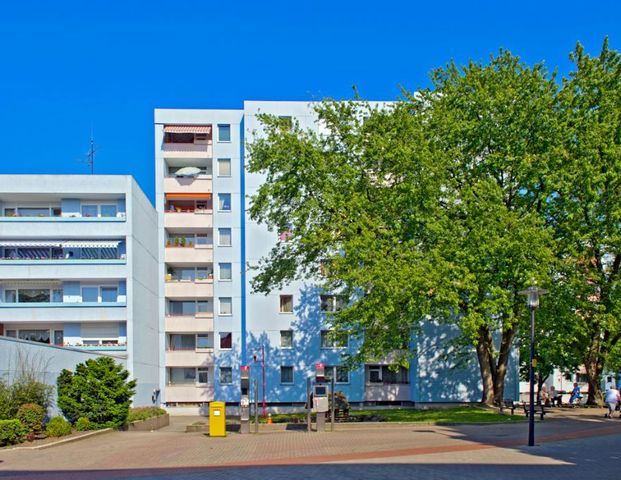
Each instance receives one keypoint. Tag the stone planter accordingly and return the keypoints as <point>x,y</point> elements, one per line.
<point>197,428</point>
<point>149,424</point>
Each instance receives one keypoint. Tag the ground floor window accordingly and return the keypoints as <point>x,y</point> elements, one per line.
<point>386,374</point>
<point>286,375</point>
<point>41,336</point>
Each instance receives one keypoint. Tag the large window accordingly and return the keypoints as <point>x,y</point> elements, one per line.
<point>224,202</point>
<point>224,237</point>
<point>387,375</point>
<point>182,342</point>
<point>202,375</point>
<point>33,211</point>
<point>202,341</point>
<point>286,375</point>
<point>332,339</point>
<point>99,210</point>
<point>189,274</point>
<point>286,304</point>
<point>33,295</point>
<point>224,133</point>
<point>181,376</point>
<point>226,306</point>
<point>224,167</point>
<point>340,373</point>
<point>187,307</point>
<point>41,336</point>
<point>226,375</point>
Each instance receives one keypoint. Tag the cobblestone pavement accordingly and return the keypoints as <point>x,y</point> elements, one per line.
<point>585,446</point>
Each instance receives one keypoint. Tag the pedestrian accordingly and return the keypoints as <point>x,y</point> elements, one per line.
<point>544,396</point>
<point>555,397</point>
<point>575,394</point>
<point>610,383</point>
<point>611,398</point>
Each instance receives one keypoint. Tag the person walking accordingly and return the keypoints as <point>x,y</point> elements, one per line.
<point>611,398</point>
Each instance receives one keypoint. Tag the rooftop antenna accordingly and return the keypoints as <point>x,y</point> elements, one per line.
<point>90,155</point>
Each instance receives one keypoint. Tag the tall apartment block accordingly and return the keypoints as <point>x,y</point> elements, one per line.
<point>212,320</point>
<point>78,268</point>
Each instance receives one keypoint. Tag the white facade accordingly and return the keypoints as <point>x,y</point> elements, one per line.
<point>78,268</point>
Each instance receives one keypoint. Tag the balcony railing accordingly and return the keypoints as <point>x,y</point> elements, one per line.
<point>61,304</point>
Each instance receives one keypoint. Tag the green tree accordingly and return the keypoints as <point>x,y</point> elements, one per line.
<point>428,208</point>
<point>586,210</point>
<point>98,390</point>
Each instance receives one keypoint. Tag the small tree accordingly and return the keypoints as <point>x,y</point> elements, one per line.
<point>98,390</point>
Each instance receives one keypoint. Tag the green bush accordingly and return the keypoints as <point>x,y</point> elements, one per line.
<point>58,427</point>
<point>11,431</point>
<point>25,389</point>
<point>83,424</point>
<point>142,413</point>
<point>98,390</point>
<point>32,417</point>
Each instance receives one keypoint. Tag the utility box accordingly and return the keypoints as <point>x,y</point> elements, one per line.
<point>217,419</point>
<point>320,399</point>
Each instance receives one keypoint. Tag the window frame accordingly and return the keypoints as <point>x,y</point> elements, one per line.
<point>230,230</point>
<point>291,369</point>
<point>229,371</point>
<point>222,199</point>
<point>220,338</point>
<point>230,267</point>
<point>227,125</point>
<point>230,162</point>
<point>281,304</point>
<point>290,346</point>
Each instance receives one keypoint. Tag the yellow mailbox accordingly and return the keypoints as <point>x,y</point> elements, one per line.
<point>217,419</point>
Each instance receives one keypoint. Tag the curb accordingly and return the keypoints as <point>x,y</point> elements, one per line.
<point>66,440</point>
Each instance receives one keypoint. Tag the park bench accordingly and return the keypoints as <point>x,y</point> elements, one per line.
<point>508,404</point>
<point>539,408</point>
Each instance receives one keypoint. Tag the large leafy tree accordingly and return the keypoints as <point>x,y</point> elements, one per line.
<point>428,208</point>
<point>586,210</point>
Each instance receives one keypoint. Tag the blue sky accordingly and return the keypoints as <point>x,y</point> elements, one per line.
<point>70,65</point>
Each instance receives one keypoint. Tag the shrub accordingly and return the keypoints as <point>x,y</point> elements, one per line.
<point>98,390</point>
<point>340,401</point>
<point>25,389</point>
<point>142,413</point>
<point>11,431</point>
<point>58,427</point>
<point>31,416</point>
<point>83,424</point>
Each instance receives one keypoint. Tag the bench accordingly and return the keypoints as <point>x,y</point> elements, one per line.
<point>509,404</point>
<point>539,408</point>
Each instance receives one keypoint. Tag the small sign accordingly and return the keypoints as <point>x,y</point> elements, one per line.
<point>216,413</point>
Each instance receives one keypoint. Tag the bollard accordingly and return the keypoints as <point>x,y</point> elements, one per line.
<point>269,418</point>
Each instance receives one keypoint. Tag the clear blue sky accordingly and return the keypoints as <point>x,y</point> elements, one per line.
<point>67,65</point>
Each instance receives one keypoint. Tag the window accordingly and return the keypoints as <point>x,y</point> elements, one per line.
<point>286,304</point>
<point>11,333</point>
<point>203,375</point>
<point>286,338</point>
<point>286,375</point>
<point>226,306</point>
<point>202,341</point>
<point>224,237</point>
<point>202,239</point>
<point>340,374</point>
<point>89,210</point>
<point>226,375</point>
<point>108,210</point>
<point>224,167</point>
<point>224,133</point>
<point>33,295</point>
<point>332,303</point>
<point>90,294</point>
<point>109,294</point>
<point>182,342</point>
<point>10,296</point>
<point>187,307</point>
<point>387,374</point>
<point>181,376</point>
<point>226,271</point>
<point>41,336</point>
<point>224,202</point>
<point>332,339</point>
<point>226,340</point>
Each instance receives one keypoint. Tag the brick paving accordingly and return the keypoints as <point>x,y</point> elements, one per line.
<point>170,453</point>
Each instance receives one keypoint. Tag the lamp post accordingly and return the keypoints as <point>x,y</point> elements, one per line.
<point>532,300</point>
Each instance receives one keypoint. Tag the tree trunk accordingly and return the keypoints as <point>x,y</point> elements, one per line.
<point>593,371</point>
<point>486,366</point>
<point>501,367</point>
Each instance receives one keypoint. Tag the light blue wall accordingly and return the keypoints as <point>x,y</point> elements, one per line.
<point>70,205</point>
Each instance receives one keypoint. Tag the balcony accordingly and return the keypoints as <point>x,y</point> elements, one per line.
<point>201,323</point>
<point>63,312</point>
<point>189,289</point>
<point>189,358</point>
<point>187,150</point>
<point>197,219</point>
<point>379,392</point>
<point>189,393</point>
<point>189,255</point>
<point>200,184</point>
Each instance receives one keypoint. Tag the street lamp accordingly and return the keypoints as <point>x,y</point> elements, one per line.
<point>532,301</point>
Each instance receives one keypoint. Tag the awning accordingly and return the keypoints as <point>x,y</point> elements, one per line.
<point>187,129</point>
<point>34,283</point>
<point>91,244</point>
<point>187,196</point>
<point>30,243</point>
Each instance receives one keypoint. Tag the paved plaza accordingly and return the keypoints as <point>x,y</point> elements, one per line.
<point>568,446</point>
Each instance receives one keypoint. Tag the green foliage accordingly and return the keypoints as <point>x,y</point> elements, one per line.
<point>142,413</point>
<point>98,390</point>
<point>31,416</point>
<point>83,424</point>
<point>58,427</point>
<point>11,432</point>
<point>340,401</point>
<point>25,389</point>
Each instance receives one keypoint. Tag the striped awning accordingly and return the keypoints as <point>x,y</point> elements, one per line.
<point>30,243</point>
<point>188,196</point>
<point>34,283</point>
<point>187,129</point>
<point>91,244</point>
